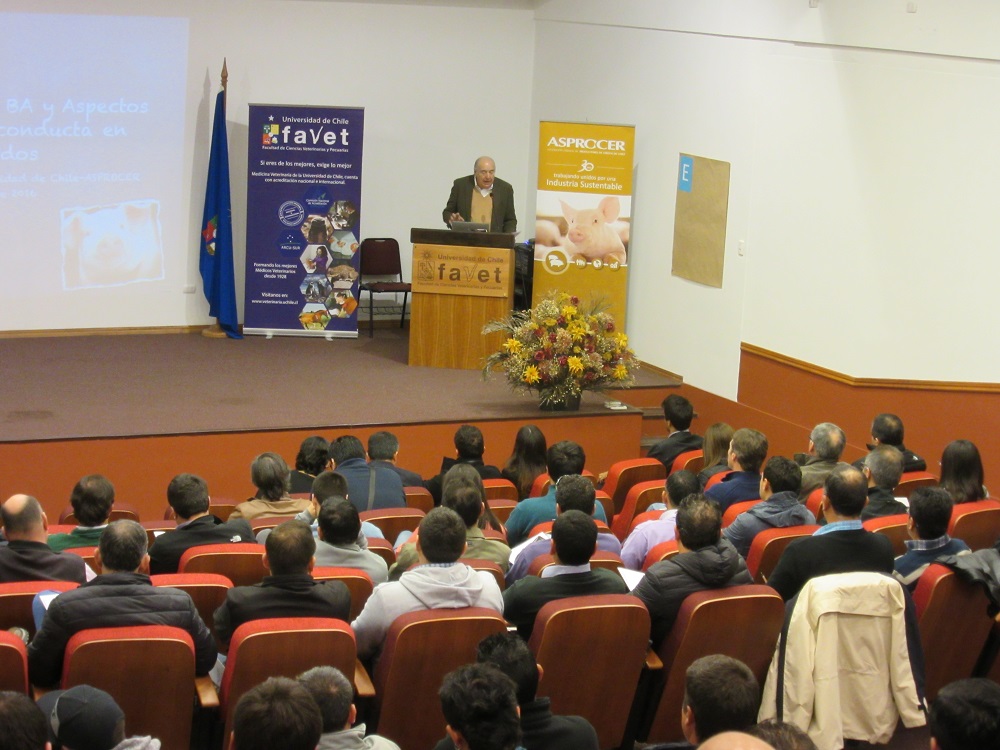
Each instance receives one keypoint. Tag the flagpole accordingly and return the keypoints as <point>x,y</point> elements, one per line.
<point>215,331</point>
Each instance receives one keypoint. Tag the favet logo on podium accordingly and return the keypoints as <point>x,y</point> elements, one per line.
<point>444,269</point>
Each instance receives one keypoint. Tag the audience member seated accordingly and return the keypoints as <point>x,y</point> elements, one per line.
<point>882,468</point>
<point>25,726</point>
<point>289,590</point>
<point>715,451</point>
<point>350,461</point>
<point>575,492</point>
<point>826,445</point>
<point>677,413</point>
<point>781,735</point>
<point>887,429</point>
<point>335,698</point>
<point>731,741</point>
<point>540,729</point>
<point>188,495</point>
<point>780,506</point>
<point>479,702</point>
<point>277,713</point>
<point>26,556</point>
<point>313,457</point>
<point>930,513</point>
<point>965,715</point>
<point>269,474</point>
<point>440,581</point>
<point>339,532</point>
<point>527,462</point>
<point>747,452</point>
<point>562,459</point>
<point>648,534</point>
<point>843,545</point>
<point>721,694</point>
<point>121,595</point>
<point>383,451</point>
<point>962,472</point>
<point>328,484</point>
<point>464,494</point>
<point>85,718</point>
<point>574,541</point>
<point>92,499</point>
<point>704,561</point>
<point>469,449</point>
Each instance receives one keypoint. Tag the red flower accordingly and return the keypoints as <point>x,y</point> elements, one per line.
<point>552,338</point>
<point>609,326</point>
<point>539,355</point>
<point>562,361</point>
<point>539,332</point>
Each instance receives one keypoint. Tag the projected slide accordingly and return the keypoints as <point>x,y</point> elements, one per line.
<point>91,153</point>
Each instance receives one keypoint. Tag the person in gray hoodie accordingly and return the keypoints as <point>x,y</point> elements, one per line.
<point>780,506</point>
<point>705,561</point>
<point>439,581</point>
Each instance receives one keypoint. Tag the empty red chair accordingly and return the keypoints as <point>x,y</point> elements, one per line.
<point>623,475</point>
<point>954,625</point>
<point>639,497</point>
<point>662,551</point>
<point>767,546</point>
<point>16,599</point>
<point>148,669</point>
<point>282,647</point>
<point>893,527</point>
<point>13,663</point>
<point>693,461</point>
<point>735,509</point>
<point>911,480</point>
<point>240,562</point>
<point>977,524</point>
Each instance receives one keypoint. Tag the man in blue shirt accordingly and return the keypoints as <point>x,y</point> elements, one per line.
<point>747,451</point>
<point>930,513</point>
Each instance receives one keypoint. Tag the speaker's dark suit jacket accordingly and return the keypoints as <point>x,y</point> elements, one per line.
<point>460,202</point>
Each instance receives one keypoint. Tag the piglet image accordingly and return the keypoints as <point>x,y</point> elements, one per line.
<point>590,232</point>
<point>110,245</point>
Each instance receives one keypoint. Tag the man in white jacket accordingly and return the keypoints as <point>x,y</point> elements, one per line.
<point>439,581</point>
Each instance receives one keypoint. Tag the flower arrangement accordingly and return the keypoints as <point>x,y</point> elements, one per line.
<point>560,349</point>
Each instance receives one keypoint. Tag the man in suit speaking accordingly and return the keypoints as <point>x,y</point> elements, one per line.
<point>482,198</point>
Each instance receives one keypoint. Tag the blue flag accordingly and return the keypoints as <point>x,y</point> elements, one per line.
<point>217,230</point>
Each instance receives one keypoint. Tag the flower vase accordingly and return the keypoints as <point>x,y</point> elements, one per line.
<point>572,403</point>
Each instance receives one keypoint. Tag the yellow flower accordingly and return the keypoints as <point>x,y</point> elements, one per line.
<point>575,365</point>
<point>512,346</point>
<point>531,375</point>
<point>621,340</point>
<point>568,311</point>
<point>620,372</point>
<point>550,322</point>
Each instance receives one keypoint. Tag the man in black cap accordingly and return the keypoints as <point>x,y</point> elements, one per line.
<point>86,718</point>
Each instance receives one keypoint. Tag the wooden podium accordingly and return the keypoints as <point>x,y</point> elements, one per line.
<point>461,281</point>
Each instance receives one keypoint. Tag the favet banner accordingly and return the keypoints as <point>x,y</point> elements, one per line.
<point>303,220</point>
<point>583,212</point>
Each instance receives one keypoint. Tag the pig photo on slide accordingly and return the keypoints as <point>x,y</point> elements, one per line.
<point>110,245</point>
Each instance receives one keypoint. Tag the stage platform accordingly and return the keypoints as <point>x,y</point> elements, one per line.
<point>141,408</point>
